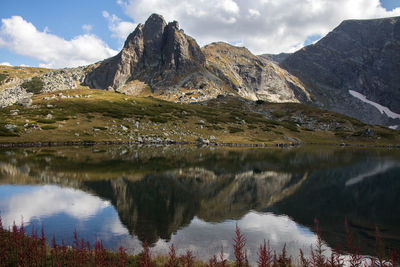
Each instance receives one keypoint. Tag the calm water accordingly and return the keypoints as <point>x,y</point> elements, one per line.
<point>193,197</point>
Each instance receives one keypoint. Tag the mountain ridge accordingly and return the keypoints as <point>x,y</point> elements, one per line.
<point>166,60</point>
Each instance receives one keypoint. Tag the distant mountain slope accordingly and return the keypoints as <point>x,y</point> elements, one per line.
<point>359,55</point>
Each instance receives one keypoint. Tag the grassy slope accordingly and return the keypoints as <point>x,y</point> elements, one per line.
<point>100,116</point>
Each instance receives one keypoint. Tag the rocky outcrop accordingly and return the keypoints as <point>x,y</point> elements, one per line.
<point>156,53</point>
<point>15,94</point>
<point>56,80</point>
<point>361,56</point>
<point>63,79</point>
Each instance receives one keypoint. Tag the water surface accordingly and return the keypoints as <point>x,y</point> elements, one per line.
<point>193,197</point>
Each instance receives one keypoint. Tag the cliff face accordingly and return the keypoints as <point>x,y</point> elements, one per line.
<point>156,53</point>
<point>359,55</point>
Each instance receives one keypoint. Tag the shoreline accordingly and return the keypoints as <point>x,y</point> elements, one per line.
<point>214,144</point>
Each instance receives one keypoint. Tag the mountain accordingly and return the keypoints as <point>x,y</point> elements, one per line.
<point>160,58</point>
<point>354,70</point>
<point>359,58</point>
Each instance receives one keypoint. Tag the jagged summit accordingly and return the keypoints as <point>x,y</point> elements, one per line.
<point>156,54</point>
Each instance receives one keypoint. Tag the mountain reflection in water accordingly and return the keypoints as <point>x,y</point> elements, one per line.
<point>193,197</point>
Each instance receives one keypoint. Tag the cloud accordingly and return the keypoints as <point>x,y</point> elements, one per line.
<point>5,63</point>
<point>22,37</point>
<point>119,29</point>
<point>262,25</point>
<point>87,27</point>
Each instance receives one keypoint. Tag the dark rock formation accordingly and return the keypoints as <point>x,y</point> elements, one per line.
<point>155,53</point>
<point>359,55</point>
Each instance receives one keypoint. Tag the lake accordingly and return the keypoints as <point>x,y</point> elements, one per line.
<point>193,197</point>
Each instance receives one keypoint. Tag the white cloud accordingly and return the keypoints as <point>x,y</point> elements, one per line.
<point>87,27</point>
<point>263,25</point>
<point>22,37</point>
<point>5,63</point>
<point>119,29</point>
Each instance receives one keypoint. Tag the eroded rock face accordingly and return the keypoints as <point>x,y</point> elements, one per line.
<point>156,53</point>
<point>359,55</point>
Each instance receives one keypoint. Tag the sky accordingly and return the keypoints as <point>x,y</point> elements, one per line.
<point>69,33</point>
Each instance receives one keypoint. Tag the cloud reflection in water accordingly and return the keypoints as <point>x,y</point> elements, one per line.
<point>206,238</point>
<point>45,201</point>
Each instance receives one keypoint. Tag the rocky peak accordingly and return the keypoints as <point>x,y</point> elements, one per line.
<point>156,53</point>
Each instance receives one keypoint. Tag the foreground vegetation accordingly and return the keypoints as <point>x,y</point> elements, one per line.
<point>19,249</point>
<point>85,115</point>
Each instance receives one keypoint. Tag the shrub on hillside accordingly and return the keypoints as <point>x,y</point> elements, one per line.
<point>3,77</point>
<point>35,85</point>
